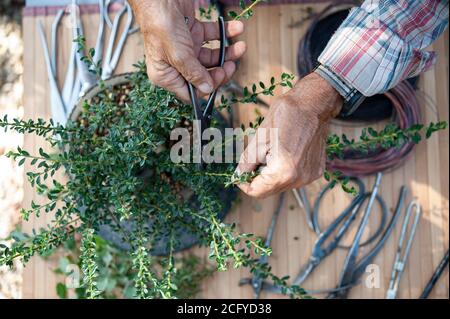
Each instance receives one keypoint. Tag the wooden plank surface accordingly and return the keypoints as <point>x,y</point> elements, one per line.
<point>272,49</point>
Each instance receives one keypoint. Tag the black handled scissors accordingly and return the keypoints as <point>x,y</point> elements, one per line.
<point>203,116</point>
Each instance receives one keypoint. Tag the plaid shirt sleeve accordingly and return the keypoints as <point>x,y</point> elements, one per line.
<point>382,43</point>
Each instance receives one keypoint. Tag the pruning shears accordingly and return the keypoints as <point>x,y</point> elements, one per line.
<point>203,116</point>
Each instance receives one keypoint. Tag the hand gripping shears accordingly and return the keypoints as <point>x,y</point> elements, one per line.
<point>203,116</point>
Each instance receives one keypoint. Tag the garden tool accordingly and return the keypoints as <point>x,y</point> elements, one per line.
<point>353,269</point>
<point>100,32</point>
<point>112,54</point>
<point>345,219</point>
<point>257,279</point>
<point>86,78</point>
<point>203,116</point>
<point>58,107</point>
<point>67,90</point>
<point>347,216</point>
<point>437,274</point>
<point>399,263</point>
<point>302,199</point>
<point>63,102</point>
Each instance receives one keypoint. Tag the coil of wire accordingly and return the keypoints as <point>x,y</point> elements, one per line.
<point>405,105</point>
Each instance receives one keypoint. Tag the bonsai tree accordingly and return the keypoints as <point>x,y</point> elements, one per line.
<point>119,175</point>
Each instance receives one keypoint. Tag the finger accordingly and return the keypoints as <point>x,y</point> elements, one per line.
<point>278,175</point>
<point>269,182</point>
<point>254,155</point>
<point>211,30</point>
<point>192,70</point>
<point>260,187</point>
<point>210,58</point>
<point>172,81</point>
<point>167,77</point>
<point>222,75</point>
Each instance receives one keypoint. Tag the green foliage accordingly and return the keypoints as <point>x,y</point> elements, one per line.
<point>247,10</point>
<point>117,158</point>
<point>371,140</point>
<point>116,273</point>
<point>206,13</point>
<point>88,56</point>
<point>89,263</point>
<point>250,94</point>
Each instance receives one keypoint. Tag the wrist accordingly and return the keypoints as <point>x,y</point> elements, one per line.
<point>315,94</point>
<point>151,14</point>
<point>352,98</point>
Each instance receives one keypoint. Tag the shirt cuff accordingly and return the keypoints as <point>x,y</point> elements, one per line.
<point>352,97</point>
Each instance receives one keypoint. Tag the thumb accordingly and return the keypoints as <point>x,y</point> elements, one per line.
<point>254,154</point>
<point>193,71</point>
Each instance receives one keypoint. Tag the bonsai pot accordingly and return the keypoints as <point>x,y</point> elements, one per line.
<point>186,238</point>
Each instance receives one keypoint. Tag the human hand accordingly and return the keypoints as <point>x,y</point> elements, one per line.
<point>296,154</point>
<point>174,48</point>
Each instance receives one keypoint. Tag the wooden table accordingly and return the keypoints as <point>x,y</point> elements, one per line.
<point>272,49</point>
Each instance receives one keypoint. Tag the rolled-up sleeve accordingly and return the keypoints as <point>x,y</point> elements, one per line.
<point>383,43</point>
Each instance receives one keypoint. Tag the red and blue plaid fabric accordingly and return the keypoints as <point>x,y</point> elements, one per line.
<point>382,43</point>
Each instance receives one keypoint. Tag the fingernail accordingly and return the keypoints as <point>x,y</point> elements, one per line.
<point>205,88</point>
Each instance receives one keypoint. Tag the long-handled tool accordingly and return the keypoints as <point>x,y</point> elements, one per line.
<point>351,260</point>
<point>58,107</point>
<point>339,227</point>
<point>257,280</point>
<point>353,269</point>
<point>84,76</point>
<point>433,280</point>
<point>112,54</point>
<point>79,79</point>
<point>302,200</point>
<point>400,262</point>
